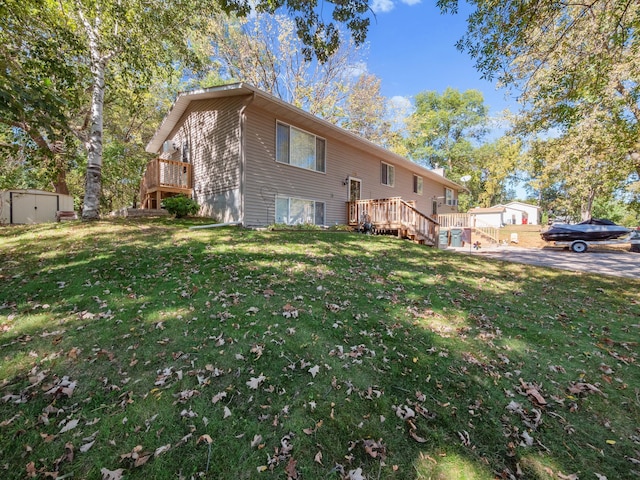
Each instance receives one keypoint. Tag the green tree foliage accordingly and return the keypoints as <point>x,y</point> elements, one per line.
<point>579,167</point>
<point>62,56</point>
<point>571,61</point>
<point>497,163</point>
<point>443,127</point>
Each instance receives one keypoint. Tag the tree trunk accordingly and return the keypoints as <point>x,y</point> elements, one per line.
<point>587,206</point>
<point>60,185</point>
<point>93,180</point>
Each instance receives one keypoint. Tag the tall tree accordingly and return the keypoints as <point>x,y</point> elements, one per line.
<point>366,112</point>
<point>265,51</point>
<point>443,127</point>
<point>569,60</point>
<point>41,86</point>
<point>137,38</point>
<point>581,166</point>
<point>497,163</point>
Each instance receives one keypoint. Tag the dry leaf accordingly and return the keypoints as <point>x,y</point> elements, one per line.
<point>255,382</point>
<point>111,474</point>
<point>70,426</point>
<point>416,437</point>
<point>356,474</point>
<point>204,438</point>
<point>314,371</point>
<point>160,450</point>
<point>318,457</point>
<point>227,412</point>
<point>257,439</point>
<point>86,447</point>
<point>291,470</point>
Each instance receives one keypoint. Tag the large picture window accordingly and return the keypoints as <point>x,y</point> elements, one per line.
<point>387,174</point>
<point>299,148</point>
<point>296,211</point>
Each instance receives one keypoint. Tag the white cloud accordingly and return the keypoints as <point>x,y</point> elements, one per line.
<point>400,103</point>
<point>382,6</point>
<point>356,69</point>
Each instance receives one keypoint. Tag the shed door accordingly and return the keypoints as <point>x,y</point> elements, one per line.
<point>30,208</point>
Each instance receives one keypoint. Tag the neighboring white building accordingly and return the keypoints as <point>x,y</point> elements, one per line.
<point>512,213</point>
<point>520,213</point>
<point>487,217</point>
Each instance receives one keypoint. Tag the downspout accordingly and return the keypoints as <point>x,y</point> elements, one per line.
<point>243,158</point>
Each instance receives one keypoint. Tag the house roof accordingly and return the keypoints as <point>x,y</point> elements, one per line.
<point>520,204</point>
<point>276,105</point>
<point>479,210</point>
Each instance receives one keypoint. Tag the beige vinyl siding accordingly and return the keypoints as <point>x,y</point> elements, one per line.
<point>265,178</point>
<point>211,129</point>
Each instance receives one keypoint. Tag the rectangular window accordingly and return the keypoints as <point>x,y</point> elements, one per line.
<point>417,184</point>
<point>387,175</point>
<point>295,211</point>
<point>299,148</point>
<point>449,198</point>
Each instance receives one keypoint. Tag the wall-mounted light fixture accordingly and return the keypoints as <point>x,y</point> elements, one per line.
<point>345,181</point>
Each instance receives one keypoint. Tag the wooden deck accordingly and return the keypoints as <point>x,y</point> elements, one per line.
<point>162,179</point>
<point>394,215</point>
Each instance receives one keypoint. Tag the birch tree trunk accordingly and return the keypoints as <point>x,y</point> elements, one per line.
<point>93,180</point>
<point>93,143</point>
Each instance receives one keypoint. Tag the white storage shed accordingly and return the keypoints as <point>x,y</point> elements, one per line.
<point>32,206</point>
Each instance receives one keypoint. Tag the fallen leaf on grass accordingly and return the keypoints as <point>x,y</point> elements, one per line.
<point>580,387</point>
<point>291,470</point>
<point>318,457</point>
<point>160,450</point>
<point>111,474</point>
<point>70,426</point>
<point>314,371</point>
<point>86,447</point>
<point>204,438</point>
<point>416,437</point>
<point>255,382</point>
<point>257,439</point>
<point>356,474</point>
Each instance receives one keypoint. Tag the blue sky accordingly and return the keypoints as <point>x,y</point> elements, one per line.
<point>411,48</point>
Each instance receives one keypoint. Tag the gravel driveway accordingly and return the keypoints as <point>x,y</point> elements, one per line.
<point>604,262</point>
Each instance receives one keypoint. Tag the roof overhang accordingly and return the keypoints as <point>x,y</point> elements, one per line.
<point>276,105</point>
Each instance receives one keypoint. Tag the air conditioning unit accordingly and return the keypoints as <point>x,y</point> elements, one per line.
<point>169,147</point>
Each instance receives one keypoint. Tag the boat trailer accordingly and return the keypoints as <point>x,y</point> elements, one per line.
<point>581,246</point>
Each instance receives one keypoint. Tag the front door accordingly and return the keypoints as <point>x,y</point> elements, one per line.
<point>355,189</point>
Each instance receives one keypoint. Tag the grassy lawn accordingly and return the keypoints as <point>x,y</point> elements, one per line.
<point>144,350</point>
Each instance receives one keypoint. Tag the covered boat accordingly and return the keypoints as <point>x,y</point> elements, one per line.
<point>589,230</point>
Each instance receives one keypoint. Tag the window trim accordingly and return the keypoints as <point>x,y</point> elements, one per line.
<point>315,138</point>
<point>389,168</point>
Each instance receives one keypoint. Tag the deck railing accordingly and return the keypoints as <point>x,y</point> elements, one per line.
<point>165,176</point>
<point>394,214</point>
<point>464,220</point>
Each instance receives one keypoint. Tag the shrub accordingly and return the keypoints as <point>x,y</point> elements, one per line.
<point>180,206</point>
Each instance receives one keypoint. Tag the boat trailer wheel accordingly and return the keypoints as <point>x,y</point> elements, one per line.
<point>579,246</point>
